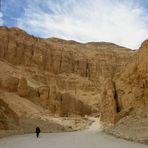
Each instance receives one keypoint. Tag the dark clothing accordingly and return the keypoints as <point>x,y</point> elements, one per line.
<point>37,135</point>
<point>37,131</point>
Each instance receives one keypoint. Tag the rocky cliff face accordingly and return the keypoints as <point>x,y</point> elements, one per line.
<point>129,97</point>
<point>131,86</point>
<point>62,77</point>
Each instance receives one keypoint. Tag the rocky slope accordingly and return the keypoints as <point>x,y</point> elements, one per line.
<point>128,94</point>
<point>53,76</point>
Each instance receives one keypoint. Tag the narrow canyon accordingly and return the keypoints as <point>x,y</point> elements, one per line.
<point>58,84</point>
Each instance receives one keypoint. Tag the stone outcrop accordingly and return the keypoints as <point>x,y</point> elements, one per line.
<point>63,104</point>
<point>22,88</point>
<point>8,118</point>
<point>128,102</point>
<point>44,95</point>
<point>19,115</point>
<point>108,104</point>
<point>67,104</point>
<point>132,84</point>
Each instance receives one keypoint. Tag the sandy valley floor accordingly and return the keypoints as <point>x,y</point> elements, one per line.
<point>89,138</point>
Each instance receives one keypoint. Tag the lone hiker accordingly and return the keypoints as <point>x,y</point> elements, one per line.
<point>37,131</point>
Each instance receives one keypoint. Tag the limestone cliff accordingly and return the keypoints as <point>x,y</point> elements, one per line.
<point>129,97</point>
<point>61,77</point>
<point>131,86</point>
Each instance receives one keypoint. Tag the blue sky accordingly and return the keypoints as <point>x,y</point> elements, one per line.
<point>123,22</point>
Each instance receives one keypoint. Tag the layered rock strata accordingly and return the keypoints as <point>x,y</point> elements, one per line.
<point>128,100</point>
<point>61,77</point>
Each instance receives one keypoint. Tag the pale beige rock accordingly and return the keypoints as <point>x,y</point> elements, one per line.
<point>108,113</point>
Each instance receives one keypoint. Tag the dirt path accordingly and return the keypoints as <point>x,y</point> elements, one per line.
<point>90,138</point>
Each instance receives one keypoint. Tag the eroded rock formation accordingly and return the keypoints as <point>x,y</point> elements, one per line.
<point>22,88</point>
<point>130,95</point>
<point>61,77</point>
<point>132,84</point>
<point>108,103</point>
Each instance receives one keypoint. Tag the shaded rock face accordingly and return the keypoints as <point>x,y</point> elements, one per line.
<point>131,87</point>
<point>63,104</point>
<point>68,104</point>
<point>8,118</point>
<point>22,88</point>
<point>44,95</point>
<point>9,83</point>
<point>63,77</point>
